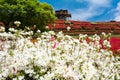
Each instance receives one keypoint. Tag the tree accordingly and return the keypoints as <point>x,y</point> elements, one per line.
<point>28,12</point>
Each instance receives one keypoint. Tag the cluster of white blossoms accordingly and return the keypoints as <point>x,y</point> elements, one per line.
<point>17,23</point>
<point>55,56</point>
<point>2,29</point>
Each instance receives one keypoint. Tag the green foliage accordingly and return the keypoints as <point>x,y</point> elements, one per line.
<point>28,12</point>
<point>11,53</point>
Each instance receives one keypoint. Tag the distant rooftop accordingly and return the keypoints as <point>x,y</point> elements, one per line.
<point>62,14</point>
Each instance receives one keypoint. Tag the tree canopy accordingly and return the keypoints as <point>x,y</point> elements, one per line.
<point>28,12</point>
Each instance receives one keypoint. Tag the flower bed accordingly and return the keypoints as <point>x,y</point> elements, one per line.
<point>55,56</point>
<point>115,44</point>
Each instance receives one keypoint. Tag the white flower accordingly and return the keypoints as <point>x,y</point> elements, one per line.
<point>20,77</point>
<point>11,29</point>
<point>47,27</point>
<point>14,79</point>
<point>72,59</point>
<point>29,71</point>
<point>103,34</point>
<point>17,23</point>
<point>68,28</point>
<point>82,36</point>
<point>2,29</point>
<point>106,43</point>
<point>38,31</point>
<point>51,32</point>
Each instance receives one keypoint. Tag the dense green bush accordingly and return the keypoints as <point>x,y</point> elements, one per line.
<point>28,12</point>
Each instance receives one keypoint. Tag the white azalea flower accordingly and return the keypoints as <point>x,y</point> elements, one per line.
<point>71,59</point>
<point>17,23</point>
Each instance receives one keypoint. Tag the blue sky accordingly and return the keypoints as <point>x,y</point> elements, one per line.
<point>89,10</point>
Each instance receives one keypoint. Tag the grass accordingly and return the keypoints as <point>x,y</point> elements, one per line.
<point>116,35</point>
<point>113,35</point>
